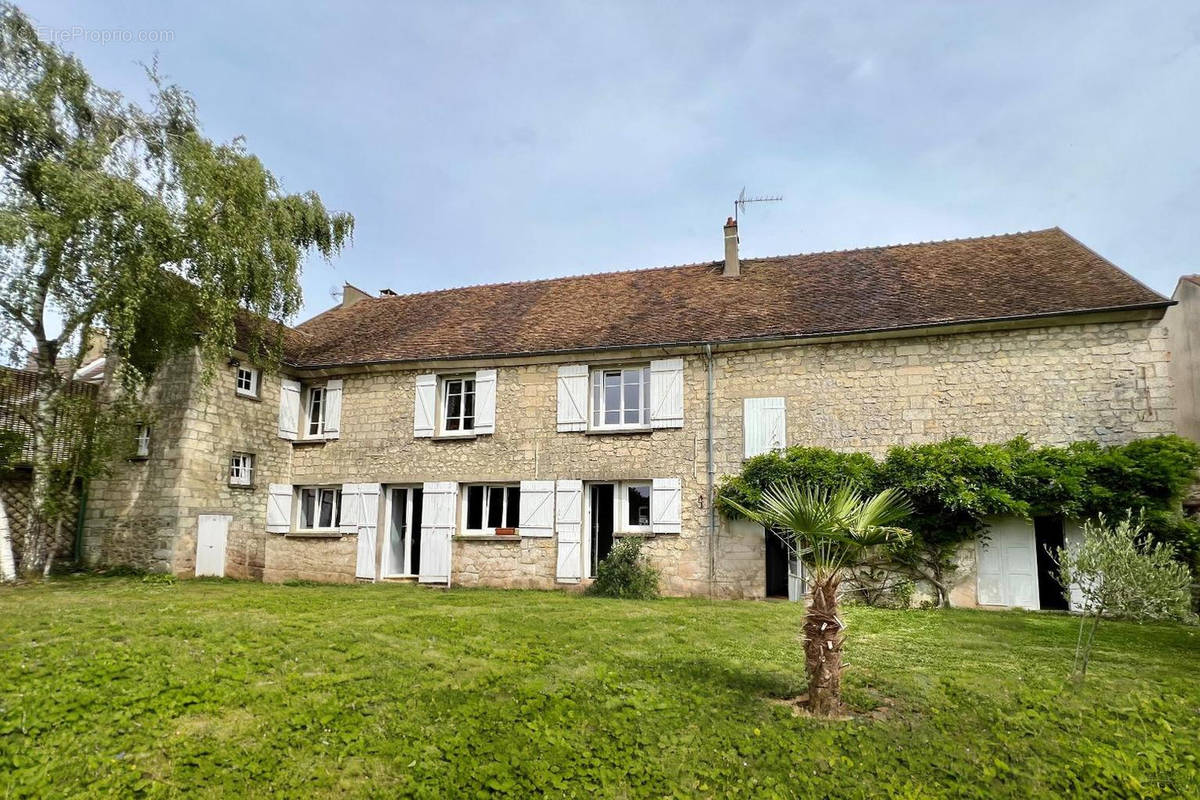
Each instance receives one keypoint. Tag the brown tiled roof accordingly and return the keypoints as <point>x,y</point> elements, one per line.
<point>881,288</point>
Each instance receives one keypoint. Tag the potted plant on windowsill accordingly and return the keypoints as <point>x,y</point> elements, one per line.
<point>506,531</point>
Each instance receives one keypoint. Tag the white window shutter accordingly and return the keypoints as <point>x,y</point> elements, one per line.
<point>665,505</point>
<point>572,397</point>
<point>439,514</point>
<point>568,519</point>
<point>763,425</point>
<point>279,508</point>
<point>289,408</point>
<point>333,409</point>
<point>425,406</point>
<point>368,525</point>
<point>351,507</point>
<point>666,393</point>
<point>485,401</point>
<point>537,508</point>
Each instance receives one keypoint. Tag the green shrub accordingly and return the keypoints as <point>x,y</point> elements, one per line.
<point>626,573</point>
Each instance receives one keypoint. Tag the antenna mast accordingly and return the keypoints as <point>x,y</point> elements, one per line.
<point>739,205</point>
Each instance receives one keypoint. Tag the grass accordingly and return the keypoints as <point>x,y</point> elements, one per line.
<point>118,687</point>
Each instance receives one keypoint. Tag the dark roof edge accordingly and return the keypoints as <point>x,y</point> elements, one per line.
<point>1164,303</point>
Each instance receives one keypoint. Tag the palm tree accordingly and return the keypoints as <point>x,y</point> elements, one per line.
<point>829,531</point>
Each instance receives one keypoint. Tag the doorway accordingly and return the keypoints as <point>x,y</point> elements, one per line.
<point>402,555</point>
<point>600,539</point>
<point>212,532</point>
<point>1048,536</point>
<point>778,562</point>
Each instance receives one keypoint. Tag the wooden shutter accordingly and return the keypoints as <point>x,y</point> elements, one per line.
<point>665,505</point>
<point>333,409</point>
<point>666,393</point>
<point>537,508</point>
<point>763,425</point>
<point>367,517</point>
<point>425,406</point>
<point>568,519</point>
<point>351,507</point>
<point>279,508</point>
<point>289,408</point>
<point>439,512</point>
<point>572,397</point>
<point>485,401</point>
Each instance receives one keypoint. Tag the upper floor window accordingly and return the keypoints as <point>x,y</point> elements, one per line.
<point>621,397</point>
<point>241,469</point>
<point>320,508</point>
<point>488,507</point>
<point>314,412</point>
<point>247,381</point>
<point>142,441</point>
<point>458,405</point>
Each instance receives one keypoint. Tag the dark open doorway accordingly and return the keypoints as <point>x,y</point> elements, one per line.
<point>1048,537</point>
<point>777,567</point>
<point>602,523</point>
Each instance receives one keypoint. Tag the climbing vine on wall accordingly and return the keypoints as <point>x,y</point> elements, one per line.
<point>954,485</point>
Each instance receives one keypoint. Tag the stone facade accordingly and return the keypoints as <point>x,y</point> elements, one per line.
<point>1104,381</point>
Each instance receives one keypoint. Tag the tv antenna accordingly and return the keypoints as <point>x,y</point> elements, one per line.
<point>739,205</point>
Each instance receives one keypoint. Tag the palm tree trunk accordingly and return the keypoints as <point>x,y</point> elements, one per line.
<point>823,649</point>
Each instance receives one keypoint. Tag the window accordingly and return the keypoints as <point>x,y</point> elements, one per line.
<point>636,512</point>
<point>621,397</point>
<point>142,441</point>
<point>241,469</point>
<point>314,424</point>
<point>247,381</point>
<point>320,508</point>
<point>458,405</point>
<point>491,507</point>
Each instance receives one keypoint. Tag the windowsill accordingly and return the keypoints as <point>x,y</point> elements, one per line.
<point>139,458</point>
<point>452,437</point>
<point>617,431</point>
<point>488,537</point>
<point>253,397</point>
<point>309,442</point>
<point>249,486</point>
<point>646,534</point>
<point>321,534</point>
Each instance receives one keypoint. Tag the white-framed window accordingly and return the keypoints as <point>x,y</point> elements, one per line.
<point>318,508</point>
<point>247,381</point>
<point>241,469</point>
<point>487,507</point>
<point>458,404</point>
<point>142,441</point>
<point>621,397</point>
<point>632,512</point>
<point>314,412</point>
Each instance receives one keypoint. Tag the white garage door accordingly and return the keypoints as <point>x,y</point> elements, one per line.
<point>1008,565</point>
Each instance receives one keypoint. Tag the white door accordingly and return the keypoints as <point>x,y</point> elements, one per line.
<point>1007,574</point>
<point>439,515</point>
<point>212,530</point>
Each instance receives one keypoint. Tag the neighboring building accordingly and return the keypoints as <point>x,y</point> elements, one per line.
<point>504,435</point>
<point>1183,323</point>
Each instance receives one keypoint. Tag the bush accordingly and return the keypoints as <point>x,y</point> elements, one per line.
<point>626,573</point>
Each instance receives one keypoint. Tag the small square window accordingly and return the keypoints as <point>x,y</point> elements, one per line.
<point>247,381</point>
<point>320,508</point>
<point>241,469</point>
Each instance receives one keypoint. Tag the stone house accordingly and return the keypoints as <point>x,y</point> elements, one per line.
<point>507,434</point>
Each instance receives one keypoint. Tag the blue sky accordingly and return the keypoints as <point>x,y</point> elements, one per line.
<point>489,142</point>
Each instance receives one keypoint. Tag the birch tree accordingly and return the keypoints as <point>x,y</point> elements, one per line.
<point>129,220</point>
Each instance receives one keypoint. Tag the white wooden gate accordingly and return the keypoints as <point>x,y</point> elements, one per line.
<point>1008,565</point>
<point>212,532</point>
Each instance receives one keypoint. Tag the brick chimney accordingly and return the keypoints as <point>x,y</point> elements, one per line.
<point>732,266</point>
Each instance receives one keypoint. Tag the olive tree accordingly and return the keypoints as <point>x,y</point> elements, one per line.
<point>129,220</point>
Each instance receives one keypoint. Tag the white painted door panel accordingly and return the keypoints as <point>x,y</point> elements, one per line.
<point>1007,573</point>
<point>212,533</point>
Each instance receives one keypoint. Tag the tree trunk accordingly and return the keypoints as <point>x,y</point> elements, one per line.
<point>36,549</point>
<point>823,650</point>
<point>8,566</point>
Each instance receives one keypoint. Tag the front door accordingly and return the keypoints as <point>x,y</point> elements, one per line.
<point>212,531</point>
<point>601,529</point>
<point>403,552</point>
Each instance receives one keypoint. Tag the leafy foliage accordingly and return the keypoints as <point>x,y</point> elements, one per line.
<point>956,484</point>
<point>625,572</point>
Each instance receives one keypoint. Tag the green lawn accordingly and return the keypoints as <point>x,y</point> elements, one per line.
<point>109,687</point>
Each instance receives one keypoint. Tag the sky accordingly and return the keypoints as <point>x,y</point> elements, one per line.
<point>485,142</point>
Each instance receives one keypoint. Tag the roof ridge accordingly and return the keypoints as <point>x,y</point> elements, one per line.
<point>664,267</point>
